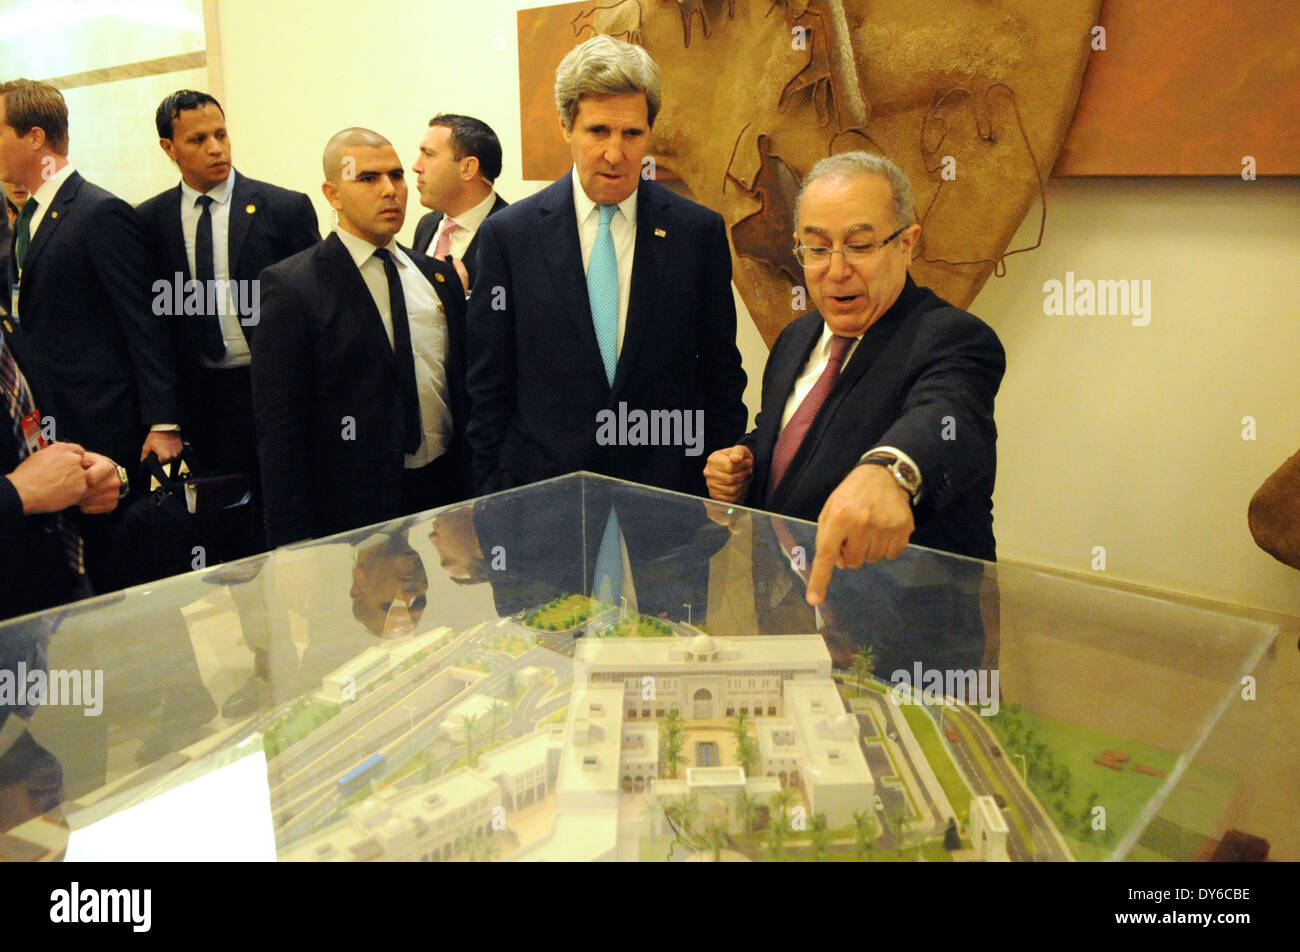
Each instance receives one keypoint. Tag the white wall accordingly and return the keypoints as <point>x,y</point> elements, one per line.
<point>1111,435</point>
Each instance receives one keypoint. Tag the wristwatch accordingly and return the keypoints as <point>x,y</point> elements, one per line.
<point>123,482</point>
<point>904,473</point>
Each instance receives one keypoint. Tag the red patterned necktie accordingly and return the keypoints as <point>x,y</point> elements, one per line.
<point>19,402</point>
<point>792,437</point>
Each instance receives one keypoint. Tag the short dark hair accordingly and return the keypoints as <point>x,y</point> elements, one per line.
<point>30,105</point>
<point>470,136</point>
<point>175,104</point>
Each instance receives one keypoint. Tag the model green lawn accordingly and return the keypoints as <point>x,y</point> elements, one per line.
<point>1193,808</point>
<point>638,626</point>
<point>564,613</point>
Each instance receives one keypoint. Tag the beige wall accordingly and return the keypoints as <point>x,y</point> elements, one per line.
<point>1111,435</point>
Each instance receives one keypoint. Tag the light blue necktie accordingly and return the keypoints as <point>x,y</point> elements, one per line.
<point>602,292</point>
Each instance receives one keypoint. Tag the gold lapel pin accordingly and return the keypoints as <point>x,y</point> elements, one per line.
<point>250,208</point>
<point>660,233</point>
<point>54,214</point>
<point>440,278</point>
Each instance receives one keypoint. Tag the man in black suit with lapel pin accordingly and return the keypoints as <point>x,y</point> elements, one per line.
<point>81,312</point>
<point>460,158</point>
<point>602,328</point>
<point>877,416</point>
<point>358,368</point>
<point>217,226</point>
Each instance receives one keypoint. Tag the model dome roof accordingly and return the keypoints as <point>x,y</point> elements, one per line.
<point>703,645</point>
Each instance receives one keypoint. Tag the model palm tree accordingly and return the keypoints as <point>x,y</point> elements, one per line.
<point>469,720</point>
<point>821,839</point>
<point>864,833</point>
<point>747,808</point>
<point>774,840</point>
<point>498,710</point>
<point>863,665</point>
<point>715,834</point>
<point>779,808</point>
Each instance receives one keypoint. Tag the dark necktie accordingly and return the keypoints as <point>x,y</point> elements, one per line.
<point>18,400</point>
<point>23,231</point>
<point>411,433</point>
<point>211,340</point>
<point>792,437</point>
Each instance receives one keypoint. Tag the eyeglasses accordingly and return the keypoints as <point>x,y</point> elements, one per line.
<point>819,256</point>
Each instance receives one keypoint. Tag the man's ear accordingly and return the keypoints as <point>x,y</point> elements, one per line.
<point>565,130</point>
<point>331,192</point>
<point>908,239</point>
<point>469,168</point>
<point>169,147</point>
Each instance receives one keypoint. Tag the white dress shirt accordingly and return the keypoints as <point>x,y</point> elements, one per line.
<point>237,354</point>
<point>622,228</point>
<point>812,370</point>
<point>45,195</point>
<point>428,326</point>
<point>458,241</point>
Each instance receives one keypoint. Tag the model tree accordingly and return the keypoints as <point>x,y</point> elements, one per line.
<point>469,720</point>
<point>747,810</point>
<point>863,665</point>
<point>672,728</point>
<point>820,837</point>
<point>864,833</point>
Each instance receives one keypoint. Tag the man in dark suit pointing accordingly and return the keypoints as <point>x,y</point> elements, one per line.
<point>218,226</point>
<point>877,416</point>
<point>358,368</point>
<point>602,327</point>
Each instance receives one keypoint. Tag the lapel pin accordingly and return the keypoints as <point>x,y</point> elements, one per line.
<point>660,233</point>
<point>54,214</point>
<point>440,279</point>
<point>250,208</point>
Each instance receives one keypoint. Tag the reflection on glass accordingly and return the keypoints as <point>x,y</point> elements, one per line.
<point>593,670</point>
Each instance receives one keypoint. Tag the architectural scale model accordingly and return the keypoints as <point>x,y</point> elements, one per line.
<point>492,744</point>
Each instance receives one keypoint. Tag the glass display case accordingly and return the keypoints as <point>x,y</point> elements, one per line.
<point>586,669</point>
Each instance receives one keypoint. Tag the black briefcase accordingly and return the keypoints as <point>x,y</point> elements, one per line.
<point>187,519</point>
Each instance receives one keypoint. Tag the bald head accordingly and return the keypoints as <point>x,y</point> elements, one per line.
<point>353,138</point>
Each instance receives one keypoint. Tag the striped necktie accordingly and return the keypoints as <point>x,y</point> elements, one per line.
<point>18,401</point>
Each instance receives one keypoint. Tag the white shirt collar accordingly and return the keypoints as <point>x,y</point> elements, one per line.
<point>583,205</point>
<point>218,193</point>
<point>471,219</point>
<point>50,187</point>
<point>362,250</point>
<point>824,344</point>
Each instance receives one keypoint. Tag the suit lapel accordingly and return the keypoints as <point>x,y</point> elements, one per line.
<point>54,217</point>
<point>557,229</point>
<point>792,360</point>
<point>355,296</point>
<point>174,236</point>
<point>245,205</point>
<point>650,259</point>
